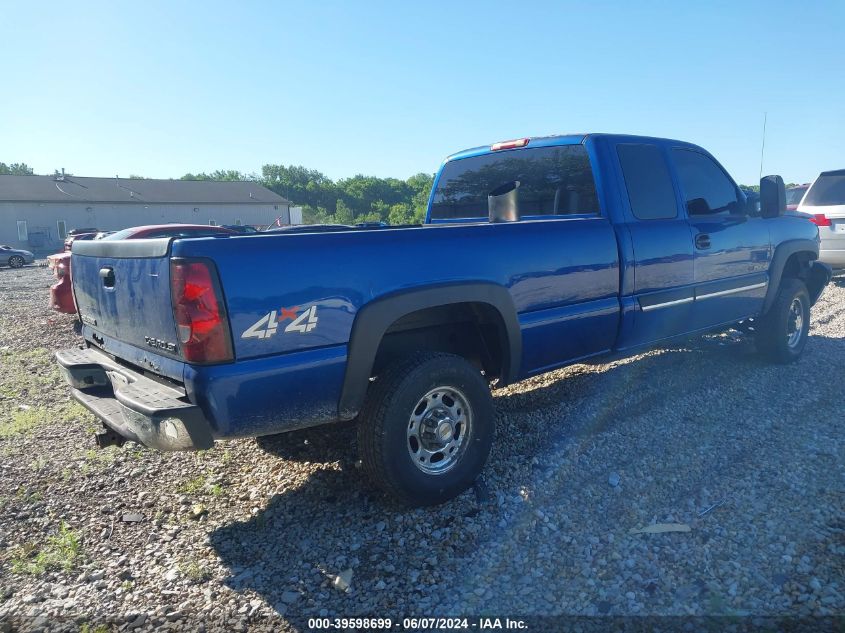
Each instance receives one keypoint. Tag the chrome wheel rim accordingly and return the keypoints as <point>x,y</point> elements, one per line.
<point>439,429</point>
<point>795,323</point>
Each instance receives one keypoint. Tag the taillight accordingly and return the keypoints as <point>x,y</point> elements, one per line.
<point>820,219</point>
<point>520,142</point>
<point>199,313</point>
<point>60,270</point>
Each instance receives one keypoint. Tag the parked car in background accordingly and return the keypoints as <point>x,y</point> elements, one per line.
<point>70,239</point>
<point>152,231</point>
<point>15,257</point>
<point>307,228</point>
<point>824,203</point>
<point>794,195</point>
<point>61,292</point>
<point>241,228</point>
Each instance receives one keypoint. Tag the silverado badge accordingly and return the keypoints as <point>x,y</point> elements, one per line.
<point>159,344</point>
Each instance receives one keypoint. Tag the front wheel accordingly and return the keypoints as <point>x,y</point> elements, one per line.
<point>16,261</point>
<point>783,331</point>
<point>426,428</point>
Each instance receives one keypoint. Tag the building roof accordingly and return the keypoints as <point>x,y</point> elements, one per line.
<point>129,190</point>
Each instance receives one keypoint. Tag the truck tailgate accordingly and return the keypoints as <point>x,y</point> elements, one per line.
<point>123,292</point>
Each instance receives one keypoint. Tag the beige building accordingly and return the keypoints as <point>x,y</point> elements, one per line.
<point>36,212</point>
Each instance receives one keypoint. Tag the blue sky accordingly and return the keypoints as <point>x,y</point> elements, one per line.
<point>390,88</point>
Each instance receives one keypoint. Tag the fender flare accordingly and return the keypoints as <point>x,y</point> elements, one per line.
<point>783,252</point>
<point>374,318</point>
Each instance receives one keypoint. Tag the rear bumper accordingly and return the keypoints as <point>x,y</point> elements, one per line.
<point>134,406</point>
<point>834,257</point>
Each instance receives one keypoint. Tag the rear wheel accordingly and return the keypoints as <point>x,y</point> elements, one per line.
<point>783,331</point>
<point>426,428</point>
<point>16,261</point>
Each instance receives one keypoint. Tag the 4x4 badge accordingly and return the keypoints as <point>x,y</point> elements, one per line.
<point>267,325</point>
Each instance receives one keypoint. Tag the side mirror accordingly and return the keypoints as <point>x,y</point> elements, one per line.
<point>503,203</point>
<point>772,197</point>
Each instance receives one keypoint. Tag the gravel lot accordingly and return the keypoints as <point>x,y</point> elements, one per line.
<point>254,534</point>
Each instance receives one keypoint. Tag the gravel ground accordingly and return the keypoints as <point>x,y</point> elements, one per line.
<point>255,534</point>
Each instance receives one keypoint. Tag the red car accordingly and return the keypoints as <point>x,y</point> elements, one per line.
<point>61,292</point>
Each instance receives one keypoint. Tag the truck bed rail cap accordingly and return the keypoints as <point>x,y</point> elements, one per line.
<point>133,249</point>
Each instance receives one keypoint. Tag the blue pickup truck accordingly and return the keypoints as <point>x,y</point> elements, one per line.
<point>536,253</point>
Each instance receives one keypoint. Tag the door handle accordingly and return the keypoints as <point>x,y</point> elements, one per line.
<point>702,241</point>
<point>107,275</point>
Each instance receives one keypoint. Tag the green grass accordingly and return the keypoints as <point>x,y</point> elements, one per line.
<point>26,495</point>
<point>22,422</point>
<point>194,571</point>
<point>28,376</point>
<point>193,486</point>
<point>39,464</point>
<point>200,485</point>
<point>61,551</point>
<point>97,459</point>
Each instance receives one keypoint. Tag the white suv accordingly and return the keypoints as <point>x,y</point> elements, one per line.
<point>824,202</point>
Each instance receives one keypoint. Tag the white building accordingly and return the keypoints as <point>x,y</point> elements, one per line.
<point>36,212</point>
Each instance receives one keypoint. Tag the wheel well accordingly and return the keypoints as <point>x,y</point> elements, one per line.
<point>797,266</point>
<point>473,330</point>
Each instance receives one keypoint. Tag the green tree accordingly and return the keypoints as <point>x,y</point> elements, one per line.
<point>15,169</point>
<point>356,199</point>
<point>220,174</point>
<point>343,214</point>
<point>300,185</point>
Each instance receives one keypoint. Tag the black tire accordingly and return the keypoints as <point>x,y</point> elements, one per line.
<point>16,261</point>
<point>780,338</point>
<point>392,421</point>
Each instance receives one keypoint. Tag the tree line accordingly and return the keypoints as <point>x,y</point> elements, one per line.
<point>345,201</point>
<point>16,169</point>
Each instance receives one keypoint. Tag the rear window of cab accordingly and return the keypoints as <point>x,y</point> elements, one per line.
<point>553,181</point>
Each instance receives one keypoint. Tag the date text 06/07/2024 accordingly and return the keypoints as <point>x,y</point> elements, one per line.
<point>418,623</point>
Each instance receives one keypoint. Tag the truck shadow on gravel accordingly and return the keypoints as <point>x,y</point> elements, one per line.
<point>290,552</point>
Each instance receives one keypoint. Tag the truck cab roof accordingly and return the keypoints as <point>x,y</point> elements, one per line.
<point>568,139</point>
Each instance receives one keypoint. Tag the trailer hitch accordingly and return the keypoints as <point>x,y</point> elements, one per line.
<point>108,437</point>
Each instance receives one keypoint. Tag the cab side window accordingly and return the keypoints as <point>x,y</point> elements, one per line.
<point>707,189</point>
<point>650,191</point>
